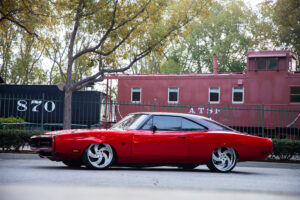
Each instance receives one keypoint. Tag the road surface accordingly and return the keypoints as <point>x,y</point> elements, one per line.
<point>26,176</point>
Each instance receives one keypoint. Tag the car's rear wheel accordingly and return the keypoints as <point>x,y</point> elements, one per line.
<point>98,156</point>
<point>73,163</point>
<point>223,160</point>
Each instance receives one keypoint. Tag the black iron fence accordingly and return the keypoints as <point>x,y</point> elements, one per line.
<point>47,113</point>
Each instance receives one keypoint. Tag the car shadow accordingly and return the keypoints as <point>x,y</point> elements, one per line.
<point>144,169</point>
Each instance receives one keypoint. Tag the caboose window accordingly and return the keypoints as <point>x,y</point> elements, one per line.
<point>136,95</point>
<point>266,63</point>
<point>237,95</point>
<point>295,94</point>
<point>173,95</point>
<point>272,63</point>
<point>261,63</point>
<point>214,95</point>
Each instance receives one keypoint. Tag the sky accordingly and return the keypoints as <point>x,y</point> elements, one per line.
<point>253,3</point>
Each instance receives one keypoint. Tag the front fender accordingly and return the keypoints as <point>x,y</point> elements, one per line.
<point>73,146</point>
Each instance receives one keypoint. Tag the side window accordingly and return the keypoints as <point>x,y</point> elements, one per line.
<point>272,63</point>
<point>237,95</point>
<point>136,95</point>
<point>173,95</point>
<point>261,63</point>
<point>214,95</point>
<point>295,94</point>
<point>167,123</point>
<point>266,63</point>
<point>188,125</point>
<point>148,125</point>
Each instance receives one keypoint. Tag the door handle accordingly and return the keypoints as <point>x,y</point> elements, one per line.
<point>182,137</point>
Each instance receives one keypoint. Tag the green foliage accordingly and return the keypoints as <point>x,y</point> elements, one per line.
<point>21,40</point>
<point>287,18</point>
<point>226,32</point>
<point>279,24</point>
<point>285,149</point>
<point>172,65</point>
<point>14,139</point>
<point>11,123</point>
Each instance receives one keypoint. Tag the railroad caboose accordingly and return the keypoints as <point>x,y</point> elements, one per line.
<point>266,96</point>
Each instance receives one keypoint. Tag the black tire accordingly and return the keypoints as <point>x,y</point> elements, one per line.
<point>223,156</point>
<point>188,166</point>
<point>102,153</point>
<point>73,163</point>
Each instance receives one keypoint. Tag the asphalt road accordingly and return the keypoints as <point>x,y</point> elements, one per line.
<point>26,176</point>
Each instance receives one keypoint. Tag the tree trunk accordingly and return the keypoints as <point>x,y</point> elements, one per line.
<point>68,109</point>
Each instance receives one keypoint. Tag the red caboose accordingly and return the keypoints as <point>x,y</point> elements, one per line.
<point>266,96</point>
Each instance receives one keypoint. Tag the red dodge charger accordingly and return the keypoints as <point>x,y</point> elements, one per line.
<point>154,139</point>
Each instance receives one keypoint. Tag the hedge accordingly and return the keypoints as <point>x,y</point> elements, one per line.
<point>11,123</point>
<point>285,149</point>
<point>14,139</point>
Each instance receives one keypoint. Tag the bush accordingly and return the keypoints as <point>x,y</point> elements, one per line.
<point>11,123</point>
<point>14,139</point>
<point>285,149</point>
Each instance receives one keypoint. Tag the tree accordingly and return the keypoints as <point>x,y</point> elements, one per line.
<point>6,45</point>
<point>100,36</point>
<point>279,25</point>
<point>21,23</point>
<point>226,32</point>
<point>27,15</point>
<point>123,32</point>
<point>20,58</point>
<point>287,18</point>
<point>26,68</point>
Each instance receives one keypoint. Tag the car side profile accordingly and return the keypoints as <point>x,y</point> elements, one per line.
<point>154,139</point>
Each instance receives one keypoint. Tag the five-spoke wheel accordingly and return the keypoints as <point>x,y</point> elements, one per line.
<point>223,160</point>
<point>98,156</point>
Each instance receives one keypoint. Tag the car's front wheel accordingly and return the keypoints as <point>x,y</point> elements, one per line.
<point>223,160</point>
<point>98,156</point>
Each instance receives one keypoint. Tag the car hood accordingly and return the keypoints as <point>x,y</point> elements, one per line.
<point>75,131</point>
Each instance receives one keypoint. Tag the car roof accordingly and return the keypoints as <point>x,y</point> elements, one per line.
<point>189,116</point>
<point>208,123</point>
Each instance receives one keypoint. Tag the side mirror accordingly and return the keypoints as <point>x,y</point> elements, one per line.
<point>154,129</point>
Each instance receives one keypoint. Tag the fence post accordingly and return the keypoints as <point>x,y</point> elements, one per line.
<point>208,110</point>
<point>263,120</point>
<point>154,105</point>
<point>43,99</point>
<point>100,106</point>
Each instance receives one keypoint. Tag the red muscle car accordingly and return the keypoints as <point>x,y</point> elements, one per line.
<point>154,139</point>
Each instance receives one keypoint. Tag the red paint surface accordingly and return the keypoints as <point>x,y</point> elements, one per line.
<point>135,146</point>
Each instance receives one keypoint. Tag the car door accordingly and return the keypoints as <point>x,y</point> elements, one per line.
<point>199,141</point>
<point>165,145</point>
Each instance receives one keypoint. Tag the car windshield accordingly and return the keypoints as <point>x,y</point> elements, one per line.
<point>130,122</point>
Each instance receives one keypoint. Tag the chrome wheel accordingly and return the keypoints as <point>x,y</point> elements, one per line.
<point>98,156</point>
<point>223,160</point>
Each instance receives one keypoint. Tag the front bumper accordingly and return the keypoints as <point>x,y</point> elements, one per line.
<point>44,145</point>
